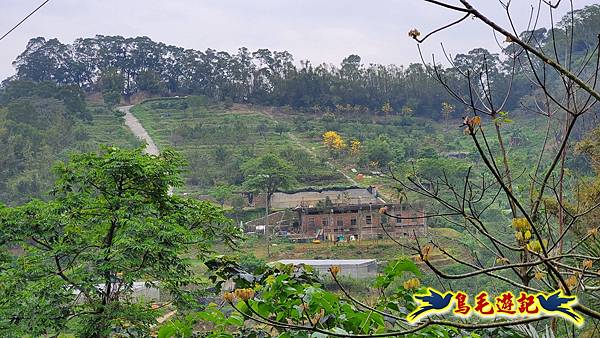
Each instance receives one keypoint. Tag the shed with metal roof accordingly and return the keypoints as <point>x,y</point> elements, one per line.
<point>354,268</point>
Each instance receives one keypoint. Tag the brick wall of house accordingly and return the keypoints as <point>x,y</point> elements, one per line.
<point>364,223</point>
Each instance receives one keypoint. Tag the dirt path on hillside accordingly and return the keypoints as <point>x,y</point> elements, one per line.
<point>307,149</point>
<point>138,130</point>
<point>313,154</point>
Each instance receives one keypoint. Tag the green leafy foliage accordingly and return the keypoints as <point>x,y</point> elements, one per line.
<point>109,224</point>
<point>39,124</point>
<point>222,193</point>
<point>394,270</point>
<point>218,141</point>
<point>294,302</point>
<point>268,173</point>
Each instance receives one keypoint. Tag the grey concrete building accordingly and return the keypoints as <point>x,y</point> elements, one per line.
<point>355,268</point>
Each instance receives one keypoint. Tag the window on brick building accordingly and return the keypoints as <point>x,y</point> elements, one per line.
<point>325,223</point>
<point>340,223</point>
<point>368,219</point>
<point>353,221</point>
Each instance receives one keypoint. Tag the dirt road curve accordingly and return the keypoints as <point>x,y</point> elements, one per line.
<point>138,130</point>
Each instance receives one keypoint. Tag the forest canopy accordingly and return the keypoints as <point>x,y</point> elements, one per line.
<point>117,65</point>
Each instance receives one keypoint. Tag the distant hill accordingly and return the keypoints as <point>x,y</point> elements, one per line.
<point>120,67</point>
<point>40,123</point>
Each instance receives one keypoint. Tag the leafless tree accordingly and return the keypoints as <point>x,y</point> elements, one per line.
<point>548,249</point>
<point>551,255</point>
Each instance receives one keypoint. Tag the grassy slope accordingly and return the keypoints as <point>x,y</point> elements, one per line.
<point>216,142</point>
<point>200,130</point>
<point>383,249</point>
<point>106,128</point>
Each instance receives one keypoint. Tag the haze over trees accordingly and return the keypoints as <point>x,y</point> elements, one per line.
<point>117,66</point>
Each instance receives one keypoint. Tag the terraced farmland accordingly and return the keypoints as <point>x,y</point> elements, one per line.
<point>108,129</point>
<point>217,140</point>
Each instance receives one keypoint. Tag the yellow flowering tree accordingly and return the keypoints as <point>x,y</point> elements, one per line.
<point>355,146</point>
<point>333,141</point>
<point>447,110</point>
<point>387,108</point>
<point>407,110</point>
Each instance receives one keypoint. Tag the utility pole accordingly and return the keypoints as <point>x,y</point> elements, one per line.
<point>267,198</point>
<point>267,239</point>
<point>372,219</point>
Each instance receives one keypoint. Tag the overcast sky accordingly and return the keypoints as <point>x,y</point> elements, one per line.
<point>316,30</point>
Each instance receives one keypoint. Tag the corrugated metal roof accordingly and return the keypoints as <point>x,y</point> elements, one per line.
<point>307,198</point>
<point>327,262</point>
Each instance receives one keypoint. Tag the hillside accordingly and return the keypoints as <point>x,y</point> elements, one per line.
<point>218,138</point>
<point>42,123</point>
<point>275,197</point>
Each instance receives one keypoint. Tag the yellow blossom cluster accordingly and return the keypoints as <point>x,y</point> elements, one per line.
<point>318,316</point>
<point>523,227</point>
<point>536,246</point>
<point>333,140</point>
<point>502,260</point>
<point>244,294</point>
<point>425,252</point>
<point>413,283</point>
<point>521,224</point>
<point>229,297</point>
<point>355,146</point>
<point>471,123</point>
<point>538,275</point>
<point>524,236</point>
<point>572,281</point>
<point>335,270</point>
